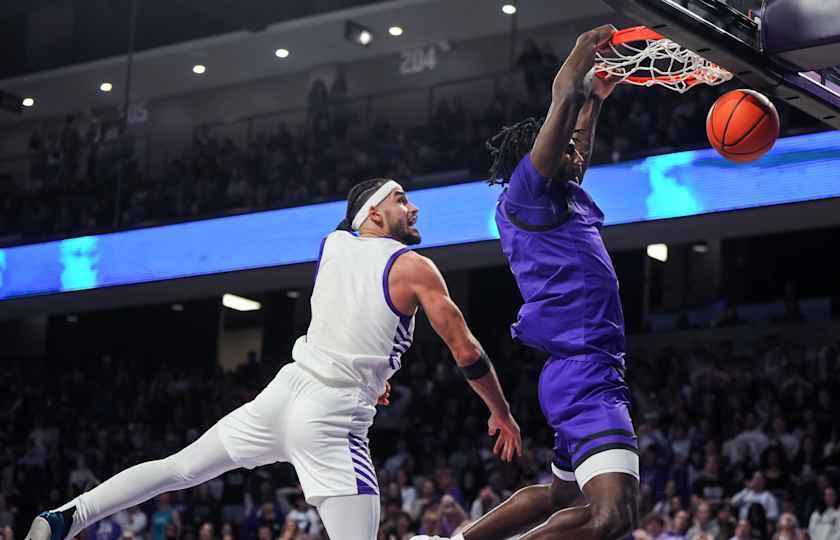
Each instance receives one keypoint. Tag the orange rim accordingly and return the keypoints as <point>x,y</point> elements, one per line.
<point>635,33</point>
<point>643,33</point>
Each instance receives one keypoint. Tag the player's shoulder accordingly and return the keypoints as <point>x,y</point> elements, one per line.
<point>412,265</point>
<point>527,169</point>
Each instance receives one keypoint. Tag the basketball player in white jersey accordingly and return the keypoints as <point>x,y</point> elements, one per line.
<point>316,412</point>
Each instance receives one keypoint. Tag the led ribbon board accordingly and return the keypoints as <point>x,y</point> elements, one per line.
<point>667,186</point>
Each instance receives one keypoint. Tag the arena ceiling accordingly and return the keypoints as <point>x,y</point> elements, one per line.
<point>238,45</point>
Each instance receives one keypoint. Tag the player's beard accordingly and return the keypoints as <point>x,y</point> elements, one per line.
<point>402,232</point>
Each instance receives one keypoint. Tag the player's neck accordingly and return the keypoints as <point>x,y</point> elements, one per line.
<point>370,233</point>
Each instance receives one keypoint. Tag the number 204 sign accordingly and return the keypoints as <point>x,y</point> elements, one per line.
<point>418,60</point>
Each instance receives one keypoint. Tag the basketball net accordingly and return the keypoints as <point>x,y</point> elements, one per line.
<point>657,61</point>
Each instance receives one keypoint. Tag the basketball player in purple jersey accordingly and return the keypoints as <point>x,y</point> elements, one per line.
<point>550,233</point>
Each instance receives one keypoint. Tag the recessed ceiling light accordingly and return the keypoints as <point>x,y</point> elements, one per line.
<point>240,303</point>
<point>508,9</point>
<point>198,69</point>
<point>28,102</point>
<point>658,252</point>
<point>365,37</point>
<point>106,87</point>
<point>281,53</point>
<point>395,31</point>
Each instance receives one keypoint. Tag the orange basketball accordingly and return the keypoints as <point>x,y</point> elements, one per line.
<point>742,125</point>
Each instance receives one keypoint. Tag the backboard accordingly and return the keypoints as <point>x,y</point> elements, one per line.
<point>788,49</point>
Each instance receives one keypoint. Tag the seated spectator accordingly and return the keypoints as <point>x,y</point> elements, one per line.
<point>132,520</point>
<point>106,529</point>
<point>452,516</point>
<point>756,492</point>
<point>679,526</point>
<point>486,501</point>
<point>165,516</point>
<point>710,485</point>
<point>788,528</point>
<point>824,523</point>
<point>742,531</point>
<point>703,523</point>
<point>206,532</point>
<point>654,527</point>
<point>305,517</point>
<point>726,521</point>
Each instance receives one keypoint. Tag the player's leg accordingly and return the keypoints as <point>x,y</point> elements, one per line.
<point>588,404</point>
<point>203,460</point>
<point>525,509</point>
<point>247,437</point>
<point>351,517</point>
<point>611,513</point>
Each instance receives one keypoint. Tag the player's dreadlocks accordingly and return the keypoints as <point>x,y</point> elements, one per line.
<point>509,145</point>
<point>356,198</point>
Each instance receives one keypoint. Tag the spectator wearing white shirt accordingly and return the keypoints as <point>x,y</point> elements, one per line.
<point>825,521</point>
<point>756,492</point>
<point>133,520</point>
<point>749,444</point>
<point>305,517</point>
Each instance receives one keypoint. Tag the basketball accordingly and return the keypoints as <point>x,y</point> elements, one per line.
<point>742,125</point>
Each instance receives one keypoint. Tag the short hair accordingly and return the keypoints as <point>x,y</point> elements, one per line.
<point>356,198</point>
<point>509,146</point>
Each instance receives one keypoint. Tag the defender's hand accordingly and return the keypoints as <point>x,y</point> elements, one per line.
<point>385,398</point>
<point>509,443</point>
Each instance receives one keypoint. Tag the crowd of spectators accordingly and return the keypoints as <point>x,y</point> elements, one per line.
<point>88,175</point>
<point>736,443</point>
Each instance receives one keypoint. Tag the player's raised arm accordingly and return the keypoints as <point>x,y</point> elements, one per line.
<point>569,94</point>
<point>431,293</point>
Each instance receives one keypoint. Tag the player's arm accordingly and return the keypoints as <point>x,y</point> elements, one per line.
<point>568,96</point>
<point>587,120</point>
<point>431,292</point>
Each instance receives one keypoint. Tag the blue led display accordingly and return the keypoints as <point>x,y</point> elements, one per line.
<point>672,185</point>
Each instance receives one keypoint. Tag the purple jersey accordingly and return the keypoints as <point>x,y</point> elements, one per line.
<point>551,237</point>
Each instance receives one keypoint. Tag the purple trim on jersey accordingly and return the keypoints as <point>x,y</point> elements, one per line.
<point>366,483</point>
<point>320,254</point>
<point>405,319</point>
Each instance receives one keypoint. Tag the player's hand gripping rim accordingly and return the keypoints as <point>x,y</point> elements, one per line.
<point>509,443</point>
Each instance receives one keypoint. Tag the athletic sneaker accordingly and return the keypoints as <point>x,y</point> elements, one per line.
<point>51,525</point>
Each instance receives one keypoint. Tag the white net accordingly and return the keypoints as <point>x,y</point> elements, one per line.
<point>659,62</point>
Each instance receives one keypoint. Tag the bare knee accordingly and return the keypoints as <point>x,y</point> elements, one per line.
<point>538,497</point>
<point>613,521</point>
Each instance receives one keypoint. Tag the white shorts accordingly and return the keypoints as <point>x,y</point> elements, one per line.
<point>321,430</point>
<point>608,461</point>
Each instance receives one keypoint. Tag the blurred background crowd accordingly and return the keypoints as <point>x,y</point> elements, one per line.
<point>737,442</point>
<point>86,174</point>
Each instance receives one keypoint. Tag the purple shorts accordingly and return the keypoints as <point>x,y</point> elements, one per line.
<point>588,405</point>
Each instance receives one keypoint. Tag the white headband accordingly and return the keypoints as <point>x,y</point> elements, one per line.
<point>373,201</point>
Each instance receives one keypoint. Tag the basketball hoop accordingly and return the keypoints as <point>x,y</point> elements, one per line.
<point>643,57</point>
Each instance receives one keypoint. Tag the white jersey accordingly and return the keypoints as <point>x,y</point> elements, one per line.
<point>356,336</point>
